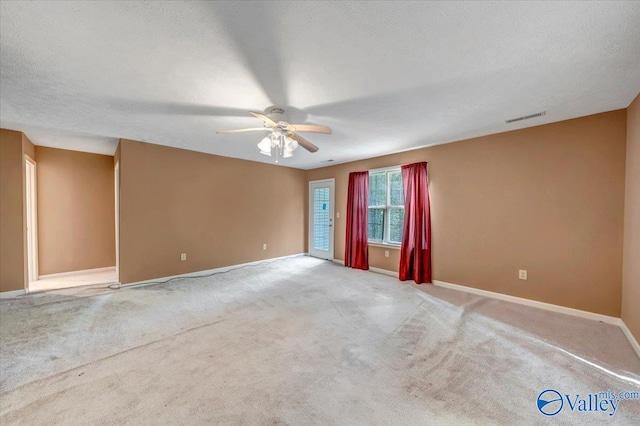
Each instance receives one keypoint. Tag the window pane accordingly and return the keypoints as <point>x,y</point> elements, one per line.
<point>321,219</point>
<point>395,183</point>
<point>376,224</point>
<point>377,189</point>
<point>396,223</point>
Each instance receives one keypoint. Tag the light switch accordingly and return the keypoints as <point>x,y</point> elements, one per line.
<point>183,256</point>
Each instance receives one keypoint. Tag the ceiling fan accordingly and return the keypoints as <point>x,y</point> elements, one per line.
<point>283,138</point>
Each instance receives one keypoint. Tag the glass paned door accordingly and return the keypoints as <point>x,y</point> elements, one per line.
<point>321,208</point>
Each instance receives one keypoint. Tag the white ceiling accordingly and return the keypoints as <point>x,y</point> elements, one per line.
<point>386,76</point>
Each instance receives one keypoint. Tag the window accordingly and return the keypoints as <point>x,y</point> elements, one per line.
<point>386,206</point>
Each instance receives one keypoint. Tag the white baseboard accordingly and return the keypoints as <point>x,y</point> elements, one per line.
<point>72,273</point>
<point>513,299</point>
<point>12,294</point>
<point>630,337</point>
<point>519,300</point>
<point>208,271</point>
<point>383,271</point>
<point>372,269</point>
<point>528,302</point>
<point>549,307</point>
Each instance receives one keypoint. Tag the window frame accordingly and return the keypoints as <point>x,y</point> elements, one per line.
<point>387,208</point>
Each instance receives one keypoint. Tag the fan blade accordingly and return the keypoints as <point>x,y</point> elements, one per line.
<point>264,118</point>
<point>243,130</point>
<point>310,128</point>
<point>303,142</point>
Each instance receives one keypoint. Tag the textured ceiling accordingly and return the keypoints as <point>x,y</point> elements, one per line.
<point>386,76</point>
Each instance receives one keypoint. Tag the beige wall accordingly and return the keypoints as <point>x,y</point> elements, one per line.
<point>631,269</point>
<point>76,212</point>
<point>11,212</point>
<point>217,210</point>
<point>548,199</point>
<point>14,146</point>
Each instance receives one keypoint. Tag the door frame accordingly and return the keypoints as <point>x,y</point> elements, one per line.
<point>331,183</point>
<point>116,182</point>
<point>31,213</point>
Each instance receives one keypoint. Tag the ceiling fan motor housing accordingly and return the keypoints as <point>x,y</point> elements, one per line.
<point>276,114</point>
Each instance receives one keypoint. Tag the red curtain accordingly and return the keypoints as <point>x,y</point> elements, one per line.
<point>415,252</point>
<point>356,254</point>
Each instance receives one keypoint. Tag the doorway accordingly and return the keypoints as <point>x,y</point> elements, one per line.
<point>117,204</point>
<point>321,214</point>
<point>31,221</point>
<point>73,241</point>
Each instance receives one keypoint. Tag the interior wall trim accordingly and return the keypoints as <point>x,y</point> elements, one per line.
<point>12,294</point>
<point>384,272</point>
<point>548,307</point>
<point>372,269</point>
<point>208,271</point>
<point>630,337</point>
<point>528,302</point>
<point>505,297</point>
<point>522,301</point>
<point>82,272</point>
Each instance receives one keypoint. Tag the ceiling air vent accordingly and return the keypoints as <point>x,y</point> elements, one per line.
<point>526,117</point>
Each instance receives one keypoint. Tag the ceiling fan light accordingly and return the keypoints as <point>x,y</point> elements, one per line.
<point>265,146</point>
<point>291,144</point>
<point>286,153</point>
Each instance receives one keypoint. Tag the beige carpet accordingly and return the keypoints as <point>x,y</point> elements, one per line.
<point>300,341</point>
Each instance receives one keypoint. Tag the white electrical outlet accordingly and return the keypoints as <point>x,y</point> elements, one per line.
<point>337,214</point>
<point>264,246</point>
<point>386,253</point>
<point>183,256</point>
<point>522,274</point>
